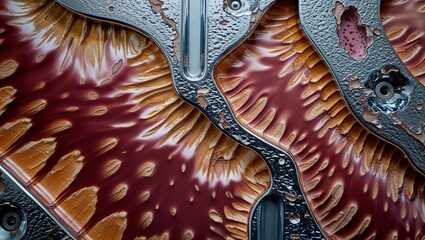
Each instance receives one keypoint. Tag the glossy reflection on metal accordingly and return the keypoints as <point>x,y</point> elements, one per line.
<point>194,39</point>
<point>270,222</point>
<point>36,221</point>
<point>397,119</point>
<point>13,222</point>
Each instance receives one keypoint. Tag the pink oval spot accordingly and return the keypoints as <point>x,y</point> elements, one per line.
<point>353,36</point>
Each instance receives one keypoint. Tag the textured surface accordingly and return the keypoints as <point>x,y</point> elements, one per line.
<point>202,91</point>
<point>225,30</point>
<point>357,185</point>
<point>406,32</point>
<point>402,125</point>
<point>40,225</point>
<point>90,125</point>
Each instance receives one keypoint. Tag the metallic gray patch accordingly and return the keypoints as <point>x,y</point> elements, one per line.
<point>393,117</point>
<point>39,223</point>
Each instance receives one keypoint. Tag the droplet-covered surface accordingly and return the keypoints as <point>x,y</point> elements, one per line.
<point>358,186</point>
<point>91,125</point>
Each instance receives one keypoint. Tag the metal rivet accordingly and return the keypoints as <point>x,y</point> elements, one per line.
<point>13,222</point>
<point>235,5</point>
<point>384,90</point>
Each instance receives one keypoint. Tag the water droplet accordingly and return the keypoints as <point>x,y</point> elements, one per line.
<point>282,161</point>
<point>294,218</point>
<point>292,197</point>
<point>173,211</point>
<point>376,31</point>
<point>295,236</point>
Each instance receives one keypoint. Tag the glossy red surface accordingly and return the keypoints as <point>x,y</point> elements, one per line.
<point>91,125</point>
<point>107,145</point>
<point>405,27</point>
<point>357,185</point>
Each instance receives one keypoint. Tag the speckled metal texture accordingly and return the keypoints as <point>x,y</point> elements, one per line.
<point>403,127</point>
<point>40,225</point>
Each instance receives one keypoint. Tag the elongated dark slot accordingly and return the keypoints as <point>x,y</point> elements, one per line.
<point>270,222</point>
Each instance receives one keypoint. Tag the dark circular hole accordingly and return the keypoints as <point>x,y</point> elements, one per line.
<point>235,5</point>
<point>11,220</point>
<point>384,90</point>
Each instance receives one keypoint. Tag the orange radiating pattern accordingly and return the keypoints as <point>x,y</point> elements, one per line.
<point>404,25</point>
<point>91,125</point>
<point>358,186</point>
